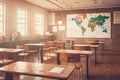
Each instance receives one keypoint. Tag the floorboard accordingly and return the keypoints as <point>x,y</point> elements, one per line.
<point>107,67</point>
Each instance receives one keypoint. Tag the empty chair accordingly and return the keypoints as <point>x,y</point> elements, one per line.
<point>23,55</point>
<point>52,45</point>
<point>75,59</point>
<point>68,44</point>
<point>94,42</point>
<point>82,47</point>
<point>46,51</point>
<point>4,60</point>
<point>30,51</point>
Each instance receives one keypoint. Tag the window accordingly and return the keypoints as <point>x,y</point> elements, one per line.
<point>21,22</point>
<point>39,24</point>
<point>2,19</point>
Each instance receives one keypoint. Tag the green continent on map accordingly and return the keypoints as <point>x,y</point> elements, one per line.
<point>97,21</point>
<point>83,30</point>
<point>92,26</point>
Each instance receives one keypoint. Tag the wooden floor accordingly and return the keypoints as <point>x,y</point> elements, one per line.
<point>107,67</point>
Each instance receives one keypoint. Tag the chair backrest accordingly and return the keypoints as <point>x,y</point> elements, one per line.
<point>51,43</point>
<point>22,47</point>
<point>82,47</point>
<point>3,56</point>
<point>75,58</point>
<point>19,46</point>
<point>93,42</point>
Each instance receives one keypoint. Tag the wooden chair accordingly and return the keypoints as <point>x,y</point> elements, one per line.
<point>76,59</point>
<point>52,45</point>
<point>22,55</point>
<point>46,51</point>
<point>2,78</point>
<point>30,51</point>
<point>86,47</point>
<point>4,60</point>
<point>94,42</point>
<point>68,44</point>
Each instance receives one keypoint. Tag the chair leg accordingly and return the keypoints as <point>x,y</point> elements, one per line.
<point>25,58</point>
<point>81,69</point>
<point>78,74</point>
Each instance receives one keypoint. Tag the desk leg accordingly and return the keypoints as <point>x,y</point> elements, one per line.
<point>72,44</point>
<point>58,59</point>
<point>63,45</point>
<point>41,54</point>
<point>102,48</point>
<point>9,76</point>
<point>87,67</point>
<point>95,55</point>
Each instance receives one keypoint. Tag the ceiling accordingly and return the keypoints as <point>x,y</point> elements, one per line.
<point>58,5</point>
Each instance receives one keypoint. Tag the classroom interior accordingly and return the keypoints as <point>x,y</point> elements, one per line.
<point>43,31</point>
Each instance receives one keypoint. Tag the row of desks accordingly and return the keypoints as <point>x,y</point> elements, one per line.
<point>23,68</point>
<point>43,71</point>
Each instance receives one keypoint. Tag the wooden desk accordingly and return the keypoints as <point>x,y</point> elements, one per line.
<point>12,51</point>
<point>36,69</point>
<point>35,44</point>
<point>92,46</point>
<point>40,45</point>
<point>80,52</point>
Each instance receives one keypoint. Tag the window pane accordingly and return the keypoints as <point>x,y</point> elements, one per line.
<point>21,15</point>
<point>2,14</point>
<point>39,24</point>
<point>1,18</point>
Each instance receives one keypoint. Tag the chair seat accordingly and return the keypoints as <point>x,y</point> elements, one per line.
<point>46,49</point>
<point>23,54</point>
<point>2,78</point>
<point>31,51</point>
<point>5,61</point>
<point>53,47</point>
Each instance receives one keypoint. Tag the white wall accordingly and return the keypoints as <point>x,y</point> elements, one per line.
<point>10,16</point>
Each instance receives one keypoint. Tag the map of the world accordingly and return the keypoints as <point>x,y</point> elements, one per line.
<point>89,25</point>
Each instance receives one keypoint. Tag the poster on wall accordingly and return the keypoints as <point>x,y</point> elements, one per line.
<point>89,25</point>
<point>116,17</point>
<point>51,19</point>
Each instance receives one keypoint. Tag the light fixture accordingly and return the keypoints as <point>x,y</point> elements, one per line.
<point>55,4</point>
<point>96,1</point>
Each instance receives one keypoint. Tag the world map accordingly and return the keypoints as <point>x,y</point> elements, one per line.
<point>88,25</point>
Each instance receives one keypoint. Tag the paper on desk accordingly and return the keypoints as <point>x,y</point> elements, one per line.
<point>57,70</point>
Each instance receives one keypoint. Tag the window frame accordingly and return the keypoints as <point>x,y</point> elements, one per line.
<point>39,22</point>
<point>22,21</point>
<point>2,21</point>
